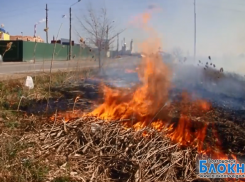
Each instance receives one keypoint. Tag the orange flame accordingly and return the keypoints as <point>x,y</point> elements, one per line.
<point>143,105</point>
<point>130,71</point>
<point>145,102</point>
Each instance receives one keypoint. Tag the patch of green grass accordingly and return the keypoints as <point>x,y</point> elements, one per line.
<point>11,124</point>
<point>63,179</point>
<point>38,172</point>
<point>24,169</point>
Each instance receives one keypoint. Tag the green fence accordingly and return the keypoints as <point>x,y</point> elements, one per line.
<point>42,51</point>
<point>27,51</point>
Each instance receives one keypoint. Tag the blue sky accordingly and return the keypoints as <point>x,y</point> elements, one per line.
<point>220,23</point>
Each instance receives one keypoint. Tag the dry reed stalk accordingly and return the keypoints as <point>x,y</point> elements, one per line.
<point>105,151</point>
<point>51,65</point>
<point>21,98</point>
<point>8,47</point>
<point>74,104</point>
<point>34,58</point>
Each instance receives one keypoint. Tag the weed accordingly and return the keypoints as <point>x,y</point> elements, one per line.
<point>11,124</point>
<point>8,47</point>
<point>62,179</point>
<point>51,66</point>
<point>15,165</point>
<point>38,172</point>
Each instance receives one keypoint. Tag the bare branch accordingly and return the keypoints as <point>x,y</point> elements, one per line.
<point>111,38</point>
<point>97,25</point>
<point>86,29</point>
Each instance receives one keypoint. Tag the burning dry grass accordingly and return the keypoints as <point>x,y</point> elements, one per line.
<point>99,151</point>
<point>92,149</point>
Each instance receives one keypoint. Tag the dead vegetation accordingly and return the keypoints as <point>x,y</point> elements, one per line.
<point>15,123</point>
<point>8,47</point>
<point>91,149</point>
<point>34,148</point>
<point>99,151</point>
<point>14,94</point>
<point>88,149</point>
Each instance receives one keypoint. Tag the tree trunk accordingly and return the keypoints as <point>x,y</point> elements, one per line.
<point>99,55</point>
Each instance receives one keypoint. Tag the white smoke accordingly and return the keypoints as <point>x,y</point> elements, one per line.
<point>41,21</point>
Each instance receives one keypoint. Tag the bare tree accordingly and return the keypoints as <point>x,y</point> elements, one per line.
<point>100,31</point>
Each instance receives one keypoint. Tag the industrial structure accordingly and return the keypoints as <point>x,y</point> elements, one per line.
<point>124,50</point>
<point>62,41</point>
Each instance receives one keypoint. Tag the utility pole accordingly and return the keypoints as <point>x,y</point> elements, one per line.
<point>107,38</point>
<point>46,23</point>
<point>70,37</point>
<point>117,43</point>
<point>70,45</point>
<point>194,30</point>
<point>35,30</point>
<point>107,32</point>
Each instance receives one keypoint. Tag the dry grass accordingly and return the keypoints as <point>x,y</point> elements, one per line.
<point>32,148</point>
<point>13,92</point>
<point>8,47</point>
<point>108,152</point>
<point>16,162</point>
<point>90,150</point>
<point>87,149</point>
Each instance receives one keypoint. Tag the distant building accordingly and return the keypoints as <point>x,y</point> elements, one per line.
<point>62,41</point>
<point>4,35</point>
<point>124,50</point>
<point>26,38</point>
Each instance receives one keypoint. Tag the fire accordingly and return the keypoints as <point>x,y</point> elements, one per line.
<point>130,71</point>
<point>204,105</point>
<point>145,101</point>
<point>67,116</point>
<point>143,106</point>
<point>183,133</point>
